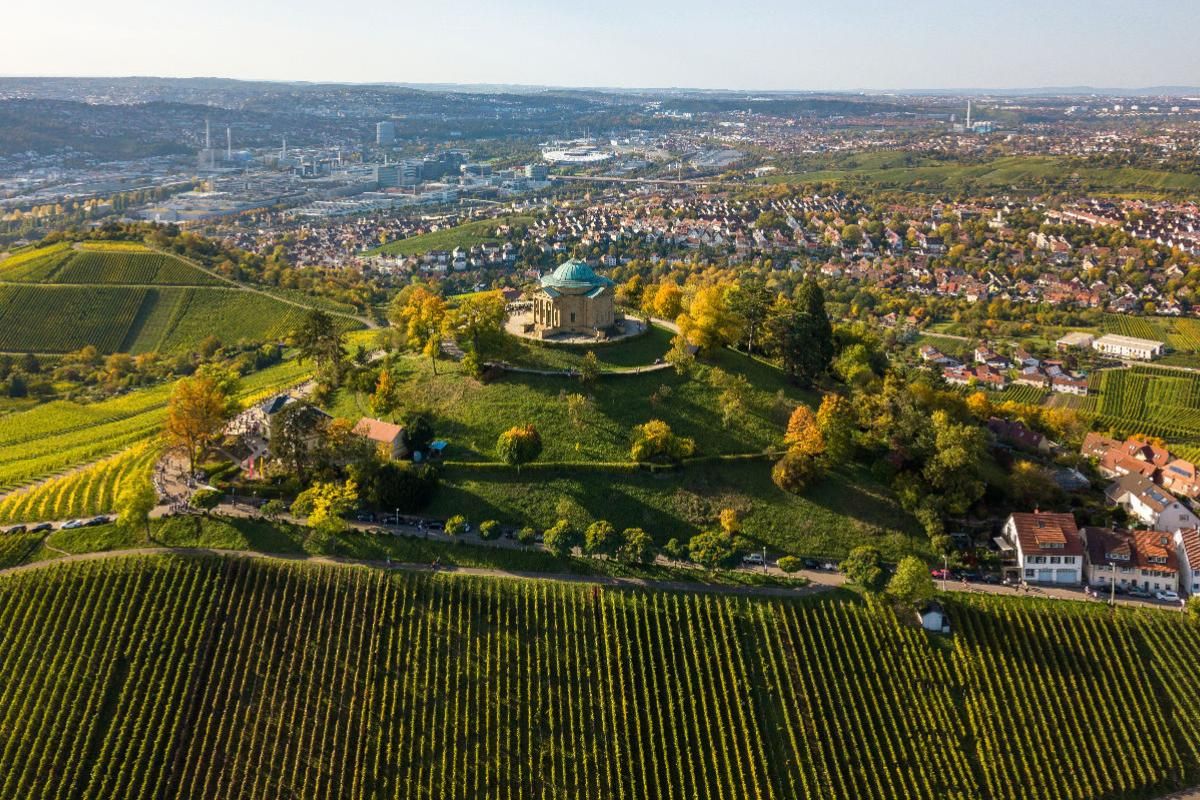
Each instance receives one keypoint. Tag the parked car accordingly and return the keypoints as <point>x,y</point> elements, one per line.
<point>16,529</point>
<point>1168,595</point>
<point>72,524</point>
<point>811,564</point>
<point>364,516</point>
<point>1137,591</point>
<point>42,527</point>
<point>940,574</point>
<point>968,576</point>
<point>101,520</point>
<point>754,558</point>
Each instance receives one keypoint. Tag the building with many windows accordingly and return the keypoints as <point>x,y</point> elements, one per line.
<point>1142,559</point>
<point>1048,547</point>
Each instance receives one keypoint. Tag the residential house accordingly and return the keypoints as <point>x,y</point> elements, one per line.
<point>388,436</point>
<point>1048,547</point>
<point>1150,504</point>
<point>1145,559</point>
<point>1187,551</point>
<point>1066,384</point>
<point>1018,435</point>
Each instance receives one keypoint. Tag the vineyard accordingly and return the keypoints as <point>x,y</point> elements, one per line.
<point>105,266</point>
<point>202,678</point>
<point>123,297</point>
<point>89,491</point>
<point>1150,400</point>
<point>1180,333</point>
<point>60,435</point>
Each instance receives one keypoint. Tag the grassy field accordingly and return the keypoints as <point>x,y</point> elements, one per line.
<point>466,236</point>
<point>171,677</point>
<point>472,414</point>
<point>126,299</point>
<point>636,352</point>
<point>844,510</point>
<point>585,472</point>
<point>1023,173</point>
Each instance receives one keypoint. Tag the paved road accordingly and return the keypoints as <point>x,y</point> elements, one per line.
<point>569,577</point>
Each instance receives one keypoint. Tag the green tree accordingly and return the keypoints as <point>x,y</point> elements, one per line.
<point>320,340</point>
<point>526,536</point>
<point>675,550</point>
<point>680,356</point>
<point>456,525</point>
<point>789,564</point>
<point>601,538</point>
<point>1193,608</point>
<point>801,334</point>
<point>324,504</point>
<point>272,509</point>
<point>911,585</point>
<point>864,567</point>
<point>133,505</point>
<point>795,471</point>
<point>560,538</point>
<point>205,499</point>
<point>519,445</point>
<point>489,530</point>
<point>297,436</point>
<point>589,368</point>
<point>712,549</point>
<point>751,300</point>
<point>477,324</point>
<point>637,547</point>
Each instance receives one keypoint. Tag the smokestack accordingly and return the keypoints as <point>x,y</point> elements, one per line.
<point>283,150</point>
<point>968,115</point>
<point>207,137</point>
<point>228,144</point>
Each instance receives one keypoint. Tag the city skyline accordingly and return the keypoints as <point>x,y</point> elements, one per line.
<point>926,46</point>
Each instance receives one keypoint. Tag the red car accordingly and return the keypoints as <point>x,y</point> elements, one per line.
<point>940,574</point>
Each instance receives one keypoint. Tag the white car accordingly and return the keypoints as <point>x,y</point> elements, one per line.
<point>1167,594</point>
<point>73,523</point>
<point>754,558</point>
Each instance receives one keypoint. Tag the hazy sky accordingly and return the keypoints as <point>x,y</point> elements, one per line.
<point>769,44</point>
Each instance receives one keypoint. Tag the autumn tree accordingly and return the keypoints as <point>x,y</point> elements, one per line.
<point>421,317</point>
<point>680,356</point>
<point>385,400</point>
<point>664,301</point>
<point>835,420</point>
<point>655,441</point>
<point>196,416</point>
<point>519,445</point>
<point>708,322</point>
<point>803,435</point>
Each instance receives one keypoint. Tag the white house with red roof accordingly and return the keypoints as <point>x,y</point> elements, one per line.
<point>1048,546</point>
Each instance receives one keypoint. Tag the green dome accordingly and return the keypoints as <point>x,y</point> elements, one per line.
<point>574,277</point>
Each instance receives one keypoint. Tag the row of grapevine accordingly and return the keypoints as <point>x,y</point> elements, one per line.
<point>204,678</point>
<point>60,435</point>
<point>59,319</point>
<point>91,490</point>
<point>91,266</point>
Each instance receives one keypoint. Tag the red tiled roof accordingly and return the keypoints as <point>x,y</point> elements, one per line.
<point>1045,533</point>
<point>377,430</point>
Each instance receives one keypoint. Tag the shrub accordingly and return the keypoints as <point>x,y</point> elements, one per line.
<point>456,525</point>
<point>790,564</point>
<point>527,536</point>
<point>489,530</point>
